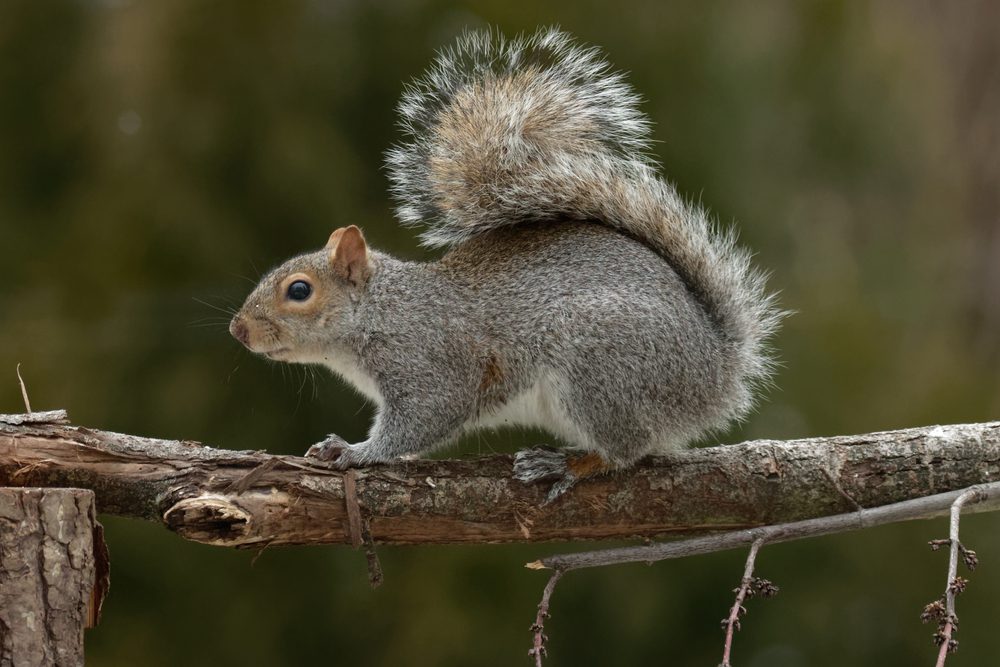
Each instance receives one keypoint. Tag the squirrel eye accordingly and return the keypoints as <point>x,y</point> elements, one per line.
<point>299,290</point>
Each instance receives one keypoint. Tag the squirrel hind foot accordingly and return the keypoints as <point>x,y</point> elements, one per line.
<point>544,464</point>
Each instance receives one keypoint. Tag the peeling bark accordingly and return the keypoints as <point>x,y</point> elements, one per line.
<point>49,584</point>
<point>247,498</point>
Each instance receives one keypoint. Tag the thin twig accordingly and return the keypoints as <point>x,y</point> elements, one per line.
<point>538,627</point>
<point>24,391</point>
<point>919,508</point>
<point>260,552</point>
<point>359,530</point>
<point>353,508</point>
<point>375,575</point>
<point>945,614</point>
<point>732,623</point>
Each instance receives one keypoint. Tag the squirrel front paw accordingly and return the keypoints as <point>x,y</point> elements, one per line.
<point>337,450</point>
<point>328,449</point>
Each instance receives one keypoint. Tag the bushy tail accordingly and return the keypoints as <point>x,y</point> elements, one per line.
<point>538,128</point>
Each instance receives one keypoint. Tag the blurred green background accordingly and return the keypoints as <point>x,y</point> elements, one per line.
<point>156,157</point>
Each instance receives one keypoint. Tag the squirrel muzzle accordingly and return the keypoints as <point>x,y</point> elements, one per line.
<point>240,331</point>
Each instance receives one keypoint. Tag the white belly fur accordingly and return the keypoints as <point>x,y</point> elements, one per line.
<point>537,406</point>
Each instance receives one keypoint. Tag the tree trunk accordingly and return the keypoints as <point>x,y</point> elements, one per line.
<point>52,580</point>
<point>245,498</point>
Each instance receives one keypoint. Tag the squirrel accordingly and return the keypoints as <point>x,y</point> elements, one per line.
<point>580,293</point>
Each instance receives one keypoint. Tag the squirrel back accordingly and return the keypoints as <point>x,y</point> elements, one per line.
<point>540,129</point>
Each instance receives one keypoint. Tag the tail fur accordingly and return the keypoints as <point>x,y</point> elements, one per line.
<point>538,128</point>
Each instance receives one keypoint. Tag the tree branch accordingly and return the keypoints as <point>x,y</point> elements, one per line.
<point>248,498</point>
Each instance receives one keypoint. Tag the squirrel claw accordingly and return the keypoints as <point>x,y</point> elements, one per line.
<point>562,485</point>
<point>341,455</point>
<point>543,464</point>
<point>331,449</point>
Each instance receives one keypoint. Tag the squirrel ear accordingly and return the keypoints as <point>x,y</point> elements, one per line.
<point>331,244</point>
<point>349,254</point>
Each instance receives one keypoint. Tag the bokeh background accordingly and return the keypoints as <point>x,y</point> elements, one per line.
<point>157,157</point>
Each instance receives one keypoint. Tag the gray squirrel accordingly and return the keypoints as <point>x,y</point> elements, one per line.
<point>580,293</point>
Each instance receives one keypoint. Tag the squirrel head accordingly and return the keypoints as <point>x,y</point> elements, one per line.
<point>297,308</point>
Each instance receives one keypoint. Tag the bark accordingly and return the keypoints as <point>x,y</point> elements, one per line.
<point>247,498</point>
<point>52,578</point>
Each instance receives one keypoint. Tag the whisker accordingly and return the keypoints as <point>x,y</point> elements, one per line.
<point>302,385</point>
<point>203,323</point>
<point>226,310</point>
<point>243,277</point>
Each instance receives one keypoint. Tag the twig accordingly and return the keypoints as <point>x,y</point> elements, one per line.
<point>919,508</point>
<point>260,552</point>
<point>538,651</point>
<point>986,495</point>
<point>942,610</point>
<point>353,508</point>
<point>360,532</point>
<point>749,586</point>
<point>375,575</point>
<point>24,391</point>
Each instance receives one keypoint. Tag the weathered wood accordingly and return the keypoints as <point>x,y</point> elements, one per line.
<point>52,580</point>
<point>206,494</point>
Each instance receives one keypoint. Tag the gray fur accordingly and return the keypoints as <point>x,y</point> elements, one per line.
<point>580,293</point>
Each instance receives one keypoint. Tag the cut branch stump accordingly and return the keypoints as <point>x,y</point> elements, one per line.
<point>53,574</point>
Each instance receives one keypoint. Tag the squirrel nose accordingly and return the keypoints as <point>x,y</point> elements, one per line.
<point>238,328</point>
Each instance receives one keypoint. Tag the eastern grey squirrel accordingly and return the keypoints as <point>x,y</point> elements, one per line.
<point>580,293</point>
